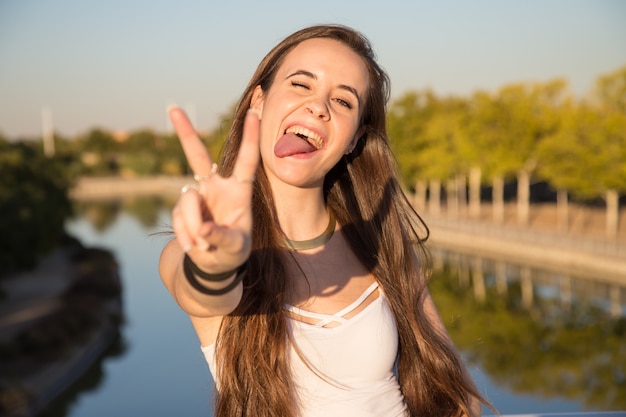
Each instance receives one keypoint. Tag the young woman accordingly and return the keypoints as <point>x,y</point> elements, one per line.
<point>299,260</point>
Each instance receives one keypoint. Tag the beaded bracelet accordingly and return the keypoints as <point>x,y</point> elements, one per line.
<point>191,270</point>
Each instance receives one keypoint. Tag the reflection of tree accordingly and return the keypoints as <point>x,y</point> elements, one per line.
<point>101,214</point>
<point>539,350</point>
<point>144,209</point>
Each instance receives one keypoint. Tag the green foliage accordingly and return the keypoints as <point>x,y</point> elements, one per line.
<point>611,90</point>
<point>444,138</point>
<point>171,156</point>
<point>97,151</point>
<point>138,164</point>
<point>534,127</point>
<point>34,204</point>
<point>507,127</point>
<point>406,120</point>
<point>586,156</point>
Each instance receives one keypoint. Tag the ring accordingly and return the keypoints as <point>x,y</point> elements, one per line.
<point>243,180</point>
<point>199,178</point>
<point>190,186</point>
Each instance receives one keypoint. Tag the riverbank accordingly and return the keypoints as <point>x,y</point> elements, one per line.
<point>55,322</point>
<point>105,188</point>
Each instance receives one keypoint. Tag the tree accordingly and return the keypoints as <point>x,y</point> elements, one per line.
<point>34,204</point>
<point>139,153</point>
<point>98,152</point>
<point>611,97</point>
<point>406,120</point>
<point>441,158</point>
<point>610,91</point>
<point>563,158</point>
<point>488,149</point>
<point>534,114</point>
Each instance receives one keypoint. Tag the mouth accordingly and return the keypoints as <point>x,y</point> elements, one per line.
<point>309,136</point>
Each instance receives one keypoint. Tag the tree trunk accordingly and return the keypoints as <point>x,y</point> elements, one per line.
<point>474,189</point>
<point>612,213</point>
<point>419,201</point>
<point>461,183</point>
<point>523,197</point>
<point>452,199</point>
<point>498,199</point>
<point>562,210</point>
<point>434,199</point>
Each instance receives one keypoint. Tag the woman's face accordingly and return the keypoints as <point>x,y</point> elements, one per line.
<point>310,116</point>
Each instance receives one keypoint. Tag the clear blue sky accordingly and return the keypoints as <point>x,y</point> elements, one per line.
<point>116,64</point>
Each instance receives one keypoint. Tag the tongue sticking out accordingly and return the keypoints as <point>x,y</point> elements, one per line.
<point>291,144</point>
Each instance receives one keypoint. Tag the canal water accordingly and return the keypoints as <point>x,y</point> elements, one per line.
<point>556,347</point>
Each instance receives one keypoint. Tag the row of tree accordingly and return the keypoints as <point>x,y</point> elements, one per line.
<point>522,133</point>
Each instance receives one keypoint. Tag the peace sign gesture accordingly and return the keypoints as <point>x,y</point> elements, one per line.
<point>212,219</point>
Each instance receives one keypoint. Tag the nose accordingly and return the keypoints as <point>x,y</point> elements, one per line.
<point>318,108</point>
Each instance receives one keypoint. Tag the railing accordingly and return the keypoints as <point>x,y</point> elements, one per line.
<point>603,247</point>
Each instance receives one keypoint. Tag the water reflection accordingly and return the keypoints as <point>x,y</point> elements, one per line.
<point>103,213</point>
<point>540,341</point>
<point>536,332</point>
<point>90,381</point>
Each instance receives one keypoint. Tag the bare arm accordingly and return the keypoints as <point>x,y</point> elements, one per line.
<point>212,222</point>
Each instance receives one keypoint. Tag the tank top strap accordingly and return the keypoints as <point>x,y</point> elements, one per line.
<point>325,319</point>
<point>358,301</point>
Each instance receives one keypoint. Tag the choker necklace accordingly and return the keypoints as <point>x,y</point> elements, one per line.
<point>318,241</point>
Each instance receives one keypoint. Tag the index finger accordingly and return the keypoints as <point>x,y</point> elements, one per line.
<point>195,151</point>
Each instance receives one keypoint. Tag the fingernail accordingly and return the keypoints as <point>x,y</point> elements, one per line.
<point>202,244</point>
<point>171,107</point>
<point>187,248</point>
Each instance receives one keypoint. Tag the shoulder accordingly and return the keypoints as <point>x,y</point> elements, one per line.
<point>206,328</point>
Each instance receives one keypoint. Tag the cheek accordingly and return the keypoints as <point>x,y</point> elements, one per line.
<point>349,129</point>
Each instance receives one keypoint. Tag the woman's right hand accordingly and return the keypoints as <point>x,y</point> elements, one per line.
<point>213,221</point>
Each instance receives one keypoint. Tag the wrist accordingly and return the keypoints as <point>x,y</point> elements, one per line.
<point>193,273</point>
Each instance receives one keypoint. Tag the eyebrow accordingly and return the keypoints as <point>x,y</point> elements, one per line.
<point>309,74</point>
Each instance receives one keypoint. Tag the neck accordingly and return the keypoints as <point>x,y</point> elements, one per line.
<point>316,242</point>
<point>301,213</point>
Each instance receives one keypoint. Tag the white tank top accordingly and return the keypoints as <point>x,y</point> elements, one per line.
<point>349,369</point>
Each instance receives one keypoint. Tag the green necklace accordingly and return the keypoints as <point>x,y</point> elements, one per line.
<point>316,242</point>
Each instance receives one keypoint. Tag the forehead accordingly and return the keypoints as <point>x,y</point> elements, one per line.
<point>328,58</point>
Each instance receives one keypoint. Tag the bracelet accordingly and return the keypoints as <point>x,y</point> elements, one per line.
<point>191,270</point>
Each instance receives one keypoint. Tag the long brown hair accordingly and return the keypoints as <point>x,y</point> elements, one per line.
<point>383,230</point>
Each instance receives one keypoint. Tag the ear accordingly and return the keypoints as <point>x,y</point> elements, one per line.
<point>359,133</point>
<point>257,100</point>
